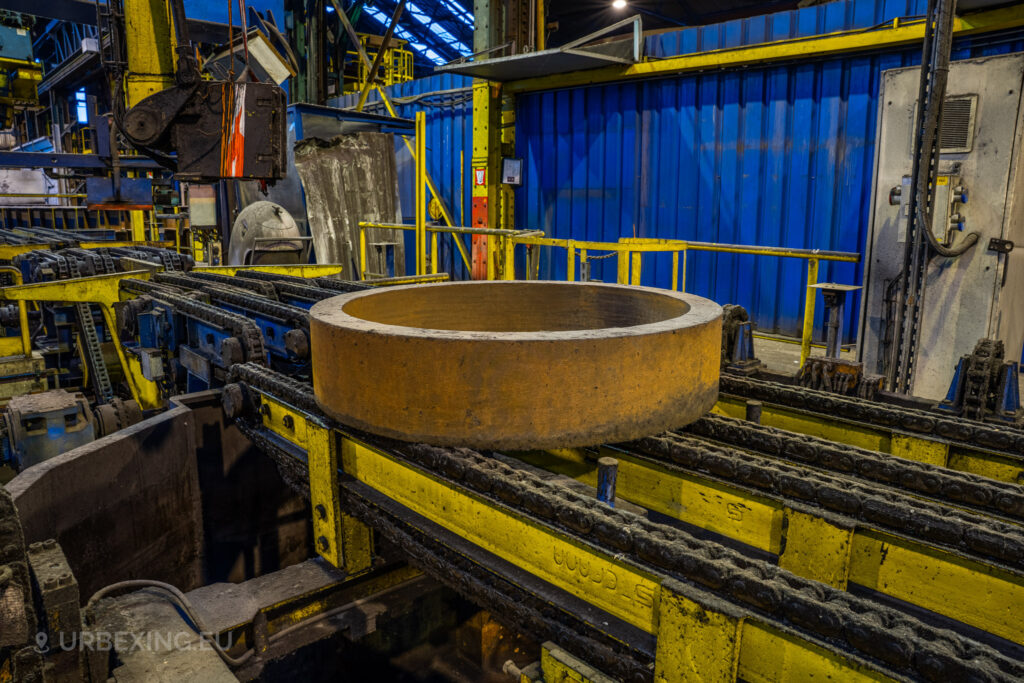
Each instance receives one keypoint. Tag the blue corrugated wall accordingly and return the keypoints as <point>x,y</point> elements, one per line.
<point>775,156</point>
<point>448,103</point>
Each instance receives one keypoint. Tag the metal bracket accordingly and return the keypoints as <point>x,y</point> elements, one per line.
<point>1000,246</point>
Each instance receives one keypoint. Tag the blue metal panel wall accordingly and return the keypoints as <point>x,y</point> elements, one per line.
<point>778,156</point>
<point>448,102</point>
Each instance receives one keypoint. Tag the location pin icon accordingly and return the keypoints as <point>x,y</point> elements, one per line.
<point>41,639</point>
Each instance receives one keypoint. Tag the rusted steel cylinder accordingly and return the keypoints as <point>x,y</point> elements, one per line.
<point>516,365</point>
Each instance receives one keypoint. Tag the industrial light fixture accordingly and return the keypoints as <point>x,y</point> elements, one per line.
<point>619,4</point>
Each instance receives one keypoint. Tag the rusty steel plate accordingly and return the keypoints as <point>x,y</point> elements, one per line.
<point>516,365</point>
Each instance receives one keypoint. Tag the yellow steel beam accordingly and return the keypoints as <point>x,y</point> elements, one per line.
<point>339,539</point>
<point>826,548</point>
<point>149,35</point>
<point>407,280</point>
<point>22,344</point>
<point>420,194</point>
<point>98,289</point>
<point>105,291</point>
<point>898,33</point>
<point>306,270</point>
<point>935,451</point>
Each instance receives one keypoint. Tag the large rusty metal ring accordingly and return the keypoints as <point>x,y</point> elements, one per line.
<point>516,365</point>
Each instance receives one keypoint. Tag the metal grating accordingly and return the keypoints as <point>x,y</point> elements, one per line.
<point>957,133</point>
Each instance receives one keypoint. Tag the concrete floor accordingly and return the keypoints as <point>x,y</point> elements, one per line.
<point>784,355</point>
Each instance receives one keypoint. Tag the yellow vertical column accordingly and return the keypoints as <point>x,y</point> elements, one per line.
<point>137,221</point>
<point>149,36</point>
<point>421,193</point>
<point>805,339</point>
<point>485,167</point>
<point>695,642</point>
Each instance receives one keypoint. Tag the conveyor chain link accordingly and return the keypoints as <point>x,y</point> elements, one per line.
<point>959,488</point>
<point>246,331</point>
<point>260,287</point>
<point>230,295</point>
<point>872,412</point>
<point>907,647</point>
<point>293,392</point>
<point>921,520</point>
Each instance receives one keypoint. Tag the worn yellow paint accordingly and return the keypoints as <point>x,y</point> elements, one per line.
<point>695,643</point>
<point>32,371</point>
<point>832,429</point>
<point>732,512</point>
<point>612,585</point>
<point>915,448</point>
<point>146,393</point>
<point>813,547</point>
<point>816,549</point>
<point>97,289</point>
<point>149,36</point>
<point>11,346</point>
<point>768,655</point>
<point>971,592</point>
<point>558,665</point>
<point>961,457</point>
<point>340,539</point>
<point>308,270</point>
<point>986,464</point>
<point>720,508</point>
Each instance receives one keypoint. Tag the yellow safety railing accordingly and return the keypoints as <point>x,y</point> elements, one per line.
<point>629,252</point>
<point>500,259</point>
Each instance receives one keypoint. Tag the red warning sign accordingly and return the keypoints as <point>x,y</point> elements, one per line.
<point>480,176</point>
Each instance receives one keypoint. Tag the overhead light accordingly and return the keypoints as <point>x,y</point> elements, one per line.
<point>619,4</point>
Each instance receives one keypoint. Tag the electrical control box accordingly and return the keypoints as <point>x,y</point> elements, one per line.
<point>979,188</point>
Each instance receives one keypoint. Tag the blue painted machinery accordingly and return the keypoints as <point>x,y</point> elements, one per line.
<point>985,386</point>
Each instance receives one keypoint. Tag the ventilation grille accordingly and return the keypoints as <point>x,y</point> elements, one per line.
<point>957,134</point>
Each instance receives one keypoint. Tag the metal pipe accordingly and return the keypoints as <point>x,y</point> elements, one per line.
<point>421,193</point>
<point>808,329</point>
<point>607,476</point>
<point>754,411</point>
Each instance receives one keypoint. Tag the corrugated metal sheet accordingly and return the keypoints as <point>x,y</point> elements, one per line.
<point>448,103</point>
<point>778,156</point>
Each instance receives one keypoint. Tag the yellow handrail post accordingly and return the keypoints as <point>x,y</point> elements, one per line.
<point>491,273</point>
<point>509,272</point>
<point>583,263</point>
<point>433,253</point>
<point>636,261</point>
<point>805,339</point>
<point>362,252</point>
<point>675,270</point>
<point>622,263</point>
<point>682,284</point>
<point>421,198</point>
<point>570,263</point>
